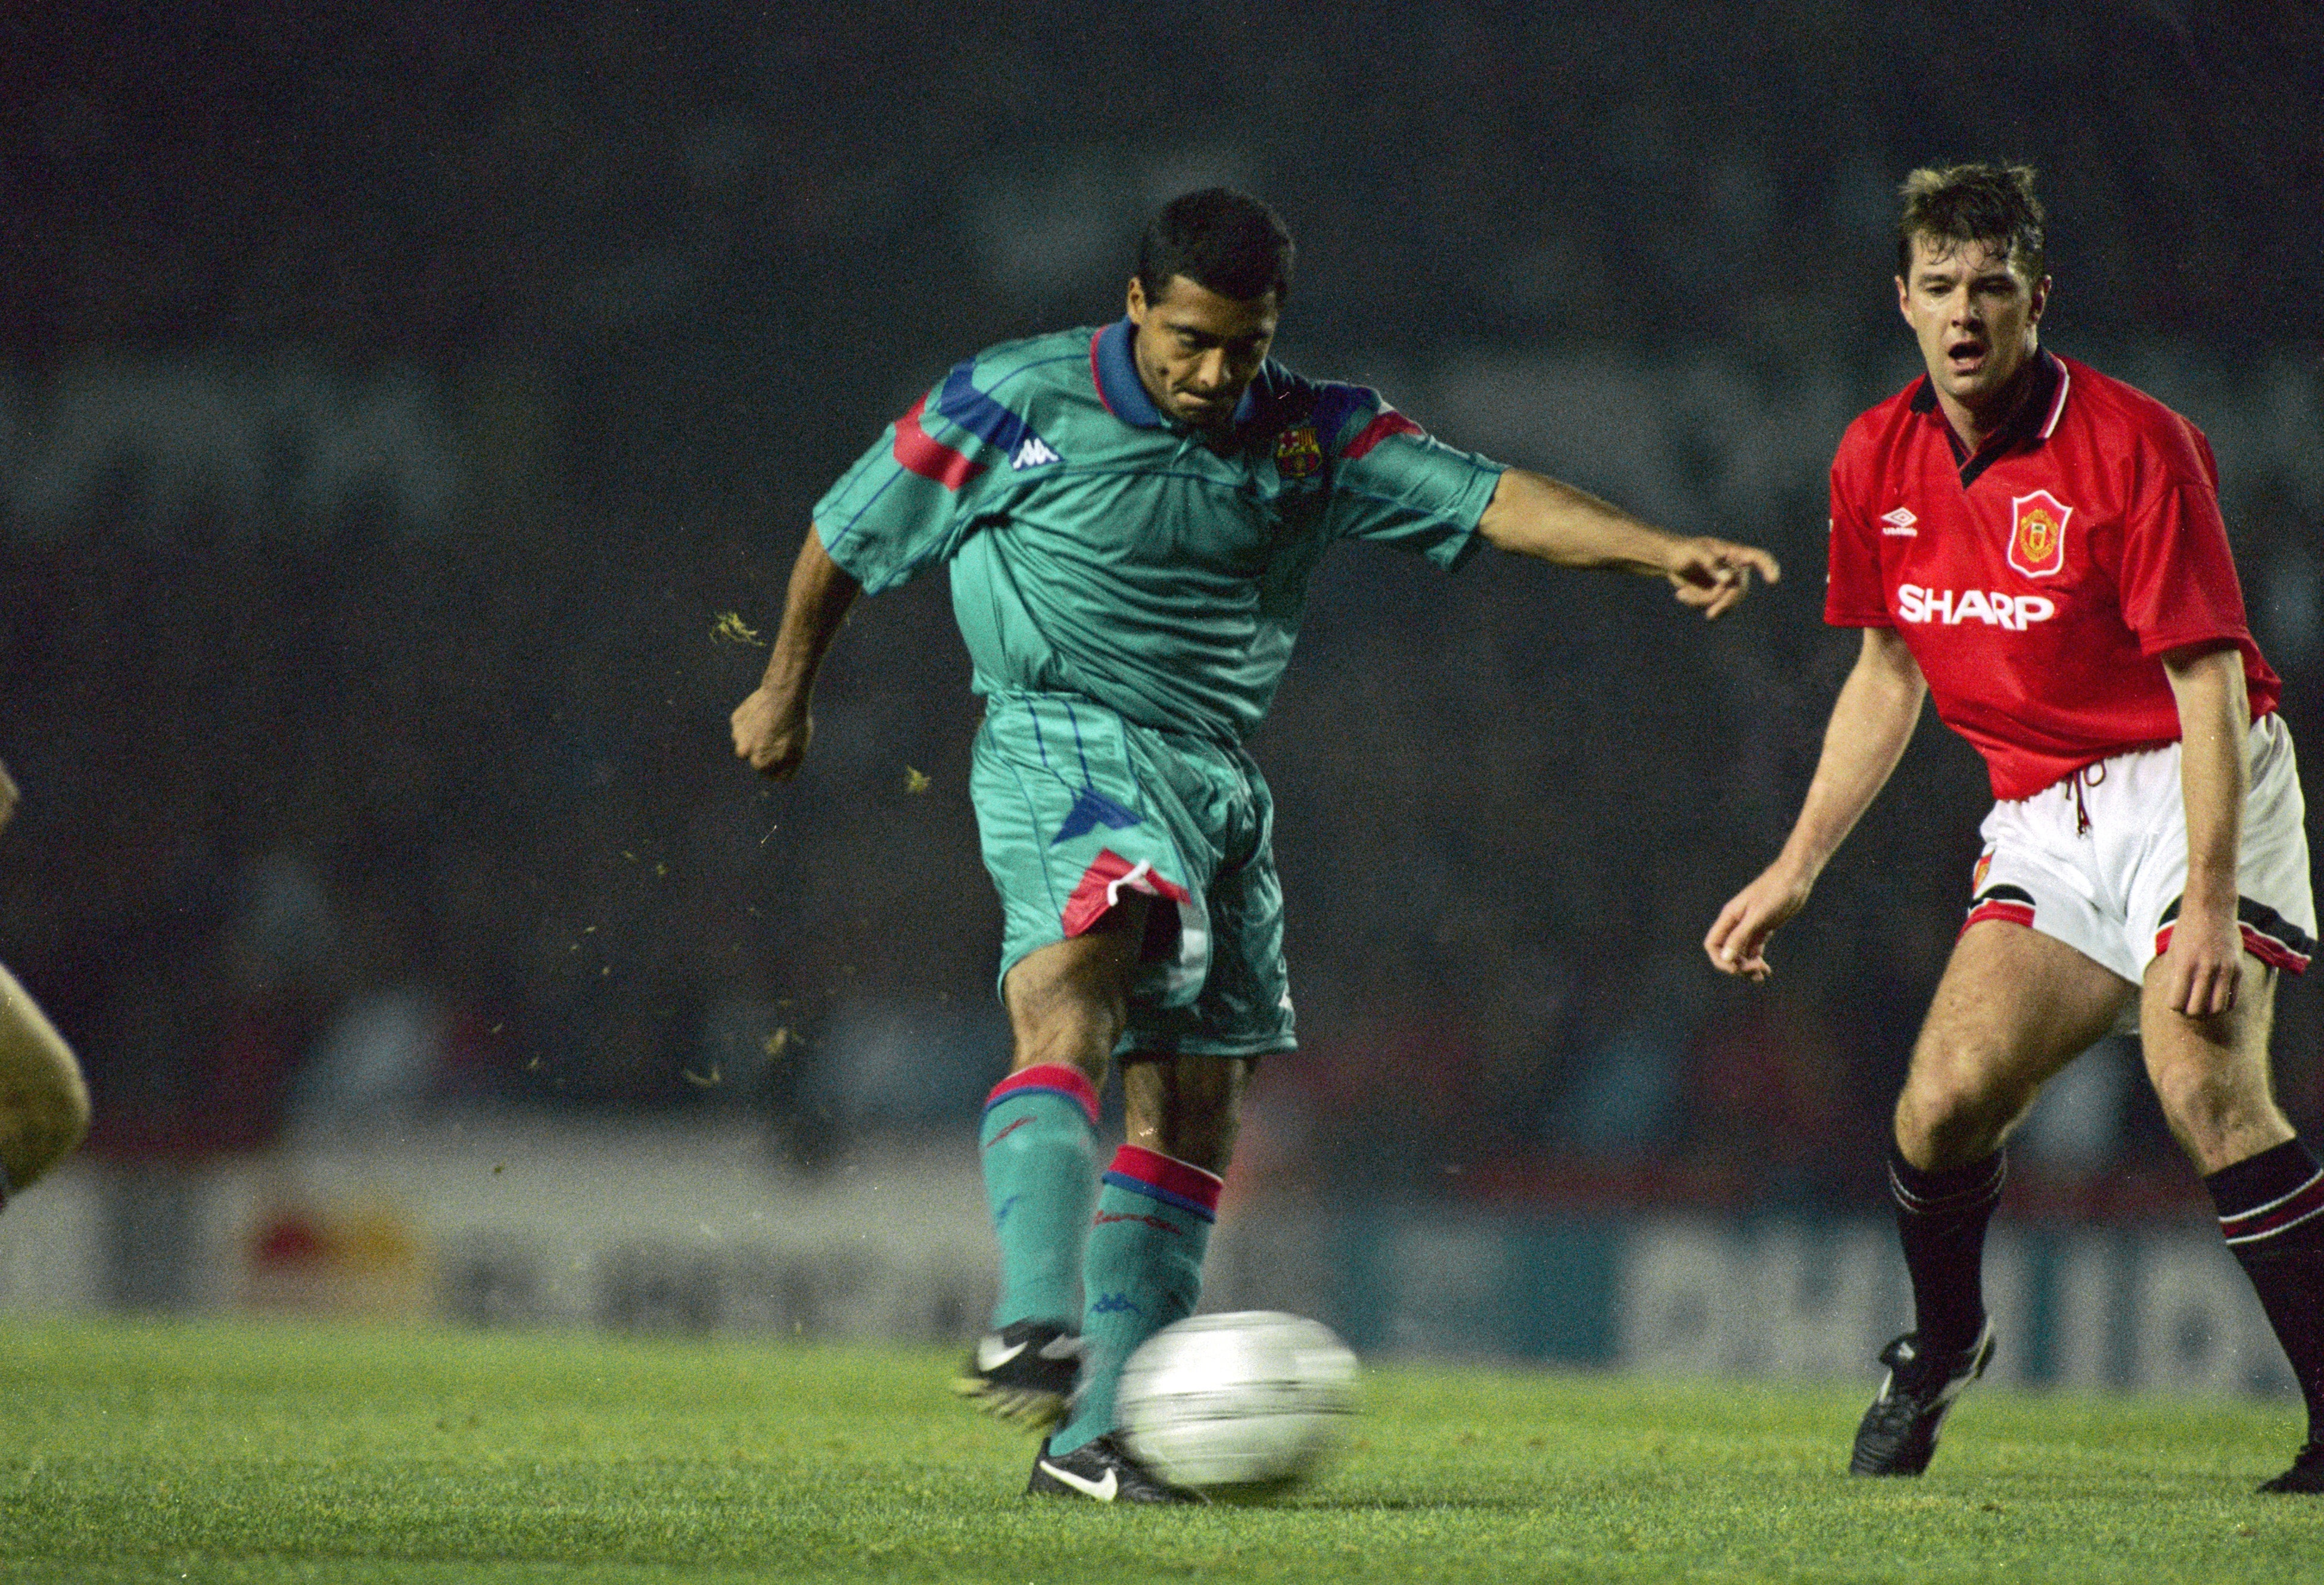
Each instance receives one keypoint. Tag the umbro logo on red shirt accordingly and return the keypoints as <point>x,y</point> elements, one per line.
<point>1899,521</point>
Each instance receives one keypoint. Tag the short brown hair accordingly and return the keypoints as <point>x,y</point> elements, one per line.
<point>1960,204</point>
<point>1223,241</point>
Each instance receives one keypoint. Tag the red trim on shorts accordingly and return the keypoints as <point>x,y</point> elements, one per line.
<point>1101,886</point>
<point>2001,908</point>
<point>1057,1077</point>
<point>2267,949</point>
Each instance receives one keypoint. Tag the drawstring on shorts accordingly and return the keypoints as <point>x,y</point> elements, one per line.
<point>2088,776</point>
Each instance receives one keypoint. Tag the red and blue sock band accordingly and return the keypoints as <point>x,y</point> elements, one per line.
<point>1050,1078</point>
<point>1166,1179</point>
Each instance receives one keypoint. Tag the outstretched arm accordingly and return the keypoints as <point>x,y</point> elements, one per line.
<point>2205,958</point>
<point>1535,516</point>
<point>1871,722</point>
<point>772,726</point>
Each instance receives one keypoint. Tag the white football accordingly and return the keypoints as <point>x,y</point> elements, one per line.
<point>1245,1403</point>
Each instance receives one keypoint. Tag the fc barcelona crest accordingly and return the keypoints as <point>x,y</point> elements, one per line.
<point>2037,543</point>
<point>1297,452</point>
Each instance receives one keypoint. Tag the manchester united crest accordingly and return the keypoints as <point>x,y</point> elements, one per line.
<point>1297,452</point>
<point>2037,543</point>
<point>1984,868</point>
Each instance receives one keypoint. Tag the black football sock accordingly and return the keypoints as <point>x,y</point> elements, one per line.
<point>1941,1219</point>
<point>2271,1215</point>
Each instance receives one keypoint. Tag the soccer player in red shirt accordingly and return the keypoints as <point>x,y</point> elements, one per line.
<point>2040,548</point>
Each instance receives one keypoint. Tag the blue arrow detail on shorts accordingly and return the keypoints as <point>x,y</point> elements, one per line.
<point>1092,809</point>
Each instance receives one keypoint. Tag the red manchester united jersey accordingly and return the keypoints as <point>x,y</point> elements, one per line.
<point>2039,582</point>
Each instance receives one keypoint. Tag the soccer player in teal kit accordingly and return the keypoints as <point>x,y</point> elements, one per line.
<point>1131,515</point>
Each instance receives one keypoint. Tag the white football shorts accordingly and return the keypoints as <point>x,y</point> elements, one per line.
<point>2098,861</point>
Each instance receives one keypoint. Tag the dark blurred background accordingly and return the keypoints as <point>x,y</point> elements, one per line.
<point>392,401</point>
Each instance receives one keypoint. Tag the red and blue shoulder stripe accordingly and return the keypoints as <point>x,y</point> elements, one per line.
<point>1336,404</point>
<point>965,407</point>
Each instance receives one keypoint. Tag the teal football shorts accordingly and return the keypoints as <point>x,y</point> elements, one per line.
<point>1077,807</point>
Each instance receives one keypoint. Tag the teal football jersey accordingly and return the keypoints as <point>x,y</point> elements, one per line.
<point>1099,549</point>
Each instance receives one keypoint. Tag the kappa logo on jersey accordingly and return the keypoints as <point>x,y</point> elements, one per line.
<point>1032,454</point>
<point>2037,545</point>
<point>1899,521</point>
<point>1992,607</point>
<point>1297,452</point>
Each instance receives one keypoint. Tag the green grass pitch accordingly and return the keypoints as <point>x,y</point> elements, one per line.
<point>280,1452</point>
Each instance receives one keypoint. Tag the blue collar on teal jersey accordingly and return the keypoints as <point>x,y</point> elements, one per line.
<point>1124,394</point>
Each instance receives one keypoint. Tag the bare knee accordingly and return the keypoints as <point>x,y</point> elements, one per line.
<point>2219,1111</point>
<point>2210,1074</point>
<point>2014,1008</point>
<point>1957,1104</point>
<point>1066,1031</point>
<point>1069,1002</point>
